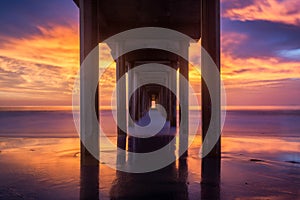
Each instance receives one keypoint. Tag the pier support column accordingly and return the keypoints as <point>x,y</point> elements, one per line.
<point>142,102</point>
<point>170,114</point>
<point>161,96</point>
<point>131,99</point>
<point>210,183</point>
<point>134,97</point>
<point>89,106</point>
<point>138,104</point>
<point>173,104</point>
<point>121,104</point>
<point>165,101</point>
<point>184,100</point>
<point>211,43</point>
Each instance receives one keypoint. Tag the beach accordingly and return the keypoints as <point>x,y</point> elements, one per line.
<point>150,100</point>
<point>40,159</point>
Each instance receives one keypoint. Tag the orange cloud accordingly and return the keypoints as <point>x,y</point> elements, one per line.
<point>40,68</point>
<point>260,81</point>
<point>57,46</point>
<point>283,11</point>
<point>257,80</point>
<point>252,71</point>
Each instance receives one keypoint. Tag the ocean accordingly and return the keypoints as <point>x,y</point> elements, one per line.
<point>59,123</point>
<point>40,159</point>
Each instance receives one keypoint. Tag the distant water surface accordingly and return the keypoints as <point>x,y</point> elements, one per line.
<point>58,121</point>
<point>39,158</point>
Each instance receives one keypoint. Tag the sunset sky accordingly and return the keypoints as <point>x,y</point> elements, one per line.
<point>39,52</point>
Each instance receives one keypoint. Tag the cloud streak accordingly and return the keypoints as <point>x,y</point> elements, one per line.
<point>39,53</point>
<point>259,38</point>
<point>282,11</point>
<point>21,19</point>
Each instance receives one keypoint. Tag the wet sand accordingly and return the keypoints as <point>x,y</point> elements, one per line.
<point>40,159</point>
<point>251,168</point>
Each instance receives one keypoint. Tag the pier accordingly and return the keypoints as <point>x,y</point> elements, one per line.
<point>102,19</point>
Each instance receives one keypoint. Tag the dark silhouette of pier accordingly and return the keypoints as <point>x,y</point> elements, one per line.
<point>198,19</point>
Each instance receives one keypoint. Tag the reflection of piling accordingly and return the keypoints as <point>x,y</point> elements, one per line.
<point>210,175</point>
<point>89,178</point>
<point>183,177</point>
<point>167,183</point>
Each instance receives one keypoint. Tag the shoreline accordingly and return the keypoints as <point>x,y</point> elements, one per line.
<point>30,165</point>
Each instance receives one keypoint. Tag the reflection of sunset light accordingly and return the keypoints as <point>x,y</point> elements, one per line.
<point>258,145</point>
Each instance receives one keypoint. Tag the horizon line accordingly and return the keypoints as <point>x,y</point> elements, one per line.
<point>192,108</point>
